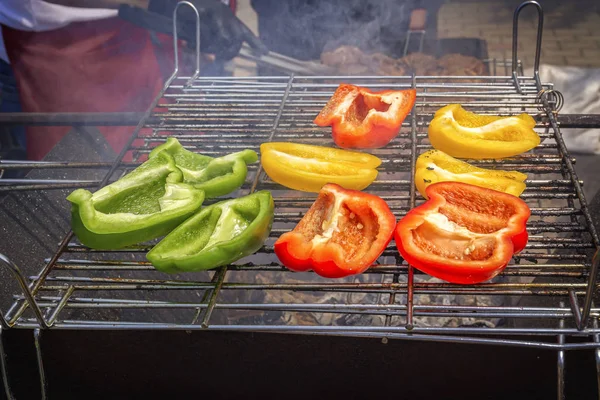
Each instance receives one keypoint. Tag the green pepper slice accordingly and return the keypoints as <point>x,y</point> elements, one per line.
<point>218,235</point>
<point>147,203</point>
<point>216,176</point>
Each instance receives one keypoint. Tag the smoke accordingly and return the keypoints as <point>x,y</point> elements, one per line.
<point>305,28</point>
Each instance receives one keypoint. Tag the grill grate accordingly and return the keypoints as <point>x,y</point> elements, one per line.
<point>537,295</point>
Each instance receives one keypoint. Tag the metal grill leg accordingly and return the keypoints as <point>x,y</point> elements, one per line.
<point>597,353</point>
<point>4,368</point>
<point>38,352</point>
<point>598,365</point>
<point>560,364</point>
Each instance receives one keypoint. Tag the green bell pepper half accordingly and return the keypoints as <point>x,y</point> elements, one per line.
<point>217,235</point>
<point>147,203</point>
<point>216,176</point>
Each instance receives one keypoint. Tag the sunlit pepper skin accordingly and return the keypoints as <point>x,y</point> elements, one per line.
<point>215,176</point>
<point>464,233</point>
<point>145,204</point>
<point>364,119</point>
<point>342,234</point>
<point>436,166</point>
<point>308,168</point>
<point>463,134</point>
<point>217,235</point>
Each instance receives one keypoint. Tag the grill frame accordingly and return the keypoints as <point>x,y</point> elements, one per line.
<point>530,95</point>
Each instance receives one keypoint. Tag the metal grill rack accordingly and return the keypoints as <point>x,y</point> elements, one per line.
<point>555,276</point>
<point>216,117</point>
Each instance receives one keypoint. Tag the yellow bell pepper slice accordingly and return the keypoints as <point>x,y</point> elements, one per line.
<point>308,168</point>
<point>463,134</point>
<point>436,166</point>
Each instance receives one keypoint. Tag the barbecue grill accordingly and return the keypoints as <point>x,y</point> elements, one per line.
<point>546,294</point>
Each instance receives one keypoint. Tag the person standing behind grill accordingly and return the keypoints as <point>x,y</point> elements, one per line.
<point>12,138</point>
<point>78,56</point>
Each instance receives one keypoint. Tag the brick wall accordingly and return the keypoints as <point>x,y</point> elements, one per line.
<point>578,45</point>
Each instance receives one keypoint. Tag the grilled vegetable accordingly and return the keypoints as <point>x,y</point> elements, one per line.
<point>463,233</point>
<point>308,168</point>
<point>218,235</point>
<point>147,203</point>
<point>342,234</point>
<point>463,134</point>
<point>216,176</point>
<point>364,119</point>
<point>436,166</point>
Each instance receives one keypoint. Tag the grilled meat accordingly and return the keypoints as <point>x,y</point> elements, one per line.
<point>457,64</point>
<point>342,57</point>
<point>350,60</point>
<point>420,64</point>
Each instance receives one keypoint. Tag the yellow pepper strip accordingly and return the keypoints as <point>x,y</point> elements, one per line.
<point>463,134</point>
<point>436,166</point>
<point>308,168</point>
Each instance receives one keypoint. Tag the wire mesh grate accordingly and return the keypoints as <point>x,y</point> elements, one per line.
<point>84,288</point>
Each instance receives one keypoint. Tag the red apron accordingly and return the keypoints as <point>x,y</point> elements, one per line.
<point>107,65</point>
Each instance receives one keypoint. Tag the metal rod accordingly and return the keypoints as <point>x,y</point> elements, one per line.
<point>575,308</point>
<point>591,289</point>
<point>210,306</point>
<point>81,303</point>
<point>597,356</point>
<point>333,285</point>
<point>20,164</point>
<point>103,265</point>
<point>555,270</point>
<point>560,362</point>
<point>273,129</point>
<point>25,288</point>
<point>285,64</point>
<point>597,366</point>
<point>4,367</point>
<point>412,192</point>
<point>584,208</point>
<point>9,182</point>
<point>538,44</point>
<point>393,332</point>
<point>423,287</point>
<point>578,120</point>
<point>550,312</point>
<point>176,41</point>
<point>71,119</point>
<point>37,334</point>
<point>205,300</point>
<point>133,118</point>
<point>63,301</point>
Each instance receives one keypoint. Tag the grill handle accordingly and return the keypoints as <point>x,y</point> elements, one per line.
<point>538,44</point>
<point>162,24</point>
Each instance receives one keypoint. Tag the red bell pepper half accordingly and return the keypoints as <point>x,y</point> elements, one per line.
<point>342,234</point>
<point>463,233</point>
<point>364,119</point>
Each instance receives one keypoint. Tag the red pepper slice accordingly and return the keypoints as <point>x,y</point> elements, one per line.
<point>363,119</point>
<point>463,233</point>
<point>342,234</point>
